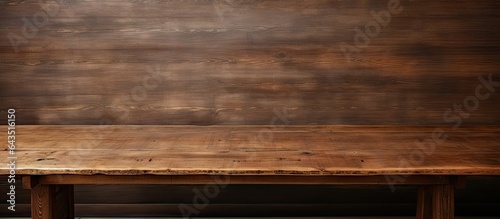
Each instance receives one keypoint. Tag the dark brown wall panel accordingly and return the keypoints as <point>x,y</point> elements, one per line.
<point>479,198</point>
<point>240,62</point>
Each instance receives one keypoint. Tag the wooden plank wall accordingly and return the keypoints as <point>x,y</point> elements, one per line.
<point>210,62</point>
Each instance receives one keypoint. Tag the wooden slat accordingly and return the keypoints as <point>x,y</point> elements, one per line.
<point>255,150</point>
<point>224,180</point>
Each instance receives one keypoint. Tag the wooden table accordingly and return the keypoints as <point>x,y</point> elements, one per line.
<point>51,159</point>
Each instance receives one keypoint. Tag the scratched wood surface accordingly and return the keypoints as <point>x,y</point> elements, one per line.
<point>254,150</point>
<point>237,62</point>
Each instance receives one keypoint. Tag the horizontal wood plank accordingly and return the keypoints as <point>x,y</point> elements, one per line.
<point>256,150</point>
<point>235,179</point>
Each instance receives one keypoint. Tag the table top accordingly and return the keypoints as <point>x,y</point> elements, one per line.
<point>255,150</point>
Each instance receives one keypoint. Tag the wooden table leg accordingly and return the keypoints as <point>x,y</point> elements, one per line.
<point>52,202</point>
<point>436,202</point>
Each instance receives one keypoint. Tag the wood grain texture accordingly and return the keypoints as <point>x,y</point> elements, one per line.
<point>255,150</point>
<point>443,202</point>
<point>30,182</point>
<point>41,202</point>
<point>436,202</point>
<point>52,202</point>
<point>235,180</point>
<point>424,203</point>
<point>233,62</point>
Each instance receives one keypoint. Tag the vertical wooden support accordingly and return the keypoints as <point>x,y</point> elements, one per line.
<point>424,203</point>
<point>52,202</point>
<point>436,202</point>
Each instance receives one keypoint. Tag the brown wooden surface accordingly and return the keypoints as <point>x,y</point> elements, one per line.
<point>30,182</point>
<point>52,202</point>
<point>436,202</point>
<point>240,62</point>
<point>246,180</point>
<point>233,62</point>
<point>443,201</point>
<point>238,150</point>
<point>424,203</point>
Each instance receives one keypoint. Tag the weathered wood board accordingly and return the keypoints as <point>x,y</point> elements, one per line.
<point>234,62</point>
<point>256,150</point>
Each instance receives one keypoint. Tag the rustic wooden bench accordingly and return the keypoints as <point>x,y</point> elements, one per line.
<point>51,159</point>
